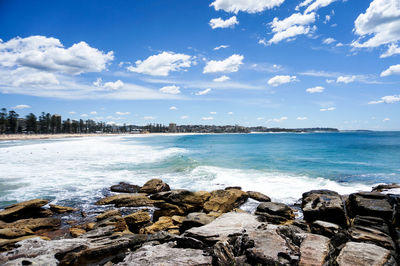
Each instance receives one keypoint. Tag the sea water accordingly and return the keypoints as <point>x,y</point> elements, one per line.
<point>79,171</point>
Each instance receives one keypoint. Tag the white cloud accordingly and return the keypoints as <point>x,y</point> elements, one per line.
<point>386,119</point>
<point>173,108</point>
<point>249,6</point>
<point>392,70</point>
<point>328,40</point>
<point>122,113</point>
<point>301,118</point>
<point>203,92</point>
<point>289,33</point>
<point>318,4</point>
<point>93,113</point>
<point>277,120</point>
<point>327,109</point>
<point>230,64</point>
<point>21,106</point>
<point>149,118</point>
<point>260,118</point>
<point>379,24</point>
<point>161,64</point>
<point>295,19</point>
<point>221,79</point>
<point>213,113</point>
<point>230,113</point>
<point>329,81</point>
<point>281,79</point>
<point>327,19</point>
<point>170,89</point>
<point>316,89</point>
<point>207,118</point>
<point>220,23</point>
<point>184,117</point>
<point>346,79</point>
<point>393,49</point>
<point>339,44</point>
<point>223,46</point>
<point>24,76</point>
<point>262,42</point>
<point>387,99</point>
<point>72,113</point>
<point>113,85</point>
<point>84,115</point>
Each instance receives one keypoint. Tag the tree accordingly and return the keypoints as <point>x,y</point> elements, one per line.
<point>12,121</point>
<point>31,123</point>
<point>3,120</point>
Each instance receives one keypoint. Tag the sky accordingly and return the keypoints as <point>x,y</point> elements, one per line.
<point>273,63</point>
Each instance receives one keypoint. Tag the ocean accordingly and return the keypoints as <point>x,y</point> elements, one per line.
<point>79,171</point>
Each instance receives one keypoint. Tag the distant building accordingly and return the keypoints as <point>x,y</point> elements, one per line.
<point>172,128</point>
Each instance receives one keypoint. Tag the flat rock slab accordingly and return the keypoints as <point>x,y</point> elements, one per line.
<point>369,204</point>
<point>22,210</point>
<point>227,224</point>
<point>161,255</point>
<point>314,249</point>
<point>364,254</point>
<point>126,200</point>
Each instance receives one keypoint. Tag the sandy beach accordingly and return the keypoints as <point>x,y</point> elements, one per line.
<point>49,136</point>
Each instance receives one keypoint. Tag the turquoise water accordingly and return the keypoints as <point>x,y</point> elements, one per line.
<point>283,166</point>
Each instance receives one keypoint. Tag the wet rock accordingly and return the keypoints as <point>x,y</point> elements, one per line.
<point>233,187</point>
<point>223,254</point>
<point>75,232</point>
<point>23,210</point>
<point>372,222</point>
<point>167,209</point>
<point>108,214</point>
<point>387,188</point>
<point>10,233</point>
<point>166,255</point>
<point>125,188</point>
<point>34,224</point>
<point>195,219</point>
<point>258,196</point>
<point>324,228</point>
<point>117,222</point>
<point>190,201</point>
<point>227,224</point>
<point>61,209</point>
<point>154,186</point>
<point>324,205</point>
<point>137,220</point>
<point>370,235</point>
<point>274,212</point>
<point>223,201</point>
<point>364,254</point>
<point>164,223</point>
<point>369,204</point>
<point>126,200</point>
<point>314,250</point>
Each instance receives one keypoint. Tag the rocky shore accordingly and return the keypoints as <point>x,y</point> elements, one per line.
<point>181,227</point>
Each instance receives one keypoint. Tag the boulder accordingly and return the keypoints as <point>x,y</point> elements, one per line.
<point>125,188</point>
<point>189,200</point>
<point>117,222</point>
<point>324,228</point>
<point>223,254</point>
<point>75,231</point>
<point>274,212</point>
<point>258,196</point>
<point>314,250</point>
<point>137,220</point>
<point>154,186</point>
<point>9,244</point>
<point>324,205</point>
<point>369,204</point>
<point>364,254</point>
<point>61,209</point>
<point>223,201</point>
<point>34,224</point>
<point>22,210</point>
<point>371,235</point>
<point>195,219</point>
<point>387,188</point>
<point>167,209</point>
<point>108,214</point>
<point>166,255</point>
<point>176,219</point>
<point>372,222</point>
<point>164,223</point>
<point>126,200</point>
<point>11,233</point>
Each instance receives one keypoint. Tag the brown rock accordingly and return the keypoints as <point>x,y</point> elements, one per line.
<point>22,210</point>
<point>314,250</point>
<point>274,212</point>
<point>75,232</point>
<point>223,201</point>
<point>8,244</point>
<point>11,233</point>
<point>258,196</point>
<point>195,219</point>
<point>108,214</point>
<point>125,188</point>
<point>136,220</point>
<point>117,222</point>
<point>364,254</point>
<point>324,228</point>
<point>34,224</point>
<point>369,204</point>
<point>61,209</point>
<point>164,223</point>
<point>167,209</point>
<point>176,219</point>
<point>371,235</point>
<point>126,200</point>
<point>154,186</point>
<point>190,201</point>
<point>90,226</point>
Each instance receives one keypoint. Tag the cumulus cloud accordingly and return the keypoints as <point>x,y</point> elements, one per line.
<point>162,64</point>
<point>117,85</point>
<point>281,79</point>
<point>216,23</point>
<point>392,70</point>
<point>173,108</point>
<point>328,40</point>
<point>170,89</point>
<point>327,109</point>
<point>392,50</point>
<point>230,64</point>
<point>301,118</point>
<point>317,4</point>
<point>122,113</point>
<point>249,6</point>
<point>207,118</point>
<point>277,120</point>
<point>317,89</point>
<point>387,99</point>
<point>203,92</point>
<point>21,106</point>
<point>49,55</point>
<point>24,76</point>
<point>289,33</point>
<point>379,24</point>
<point>345,79</point>
<point>221,79</point>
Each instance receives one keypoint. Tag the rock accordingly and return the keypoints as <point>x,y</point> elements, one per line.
<point>223,201</point>
<point>227,224</point>
<point>188,242</point>
<point>22,210</point>
<point>314,250</point>
<point>117,222</point>
<point>324,228</point>
<point>167,209</point>
<point>370,235</point>
<point>223,254</point>
<point>126,200</point>
<point>387,188</point>
<point>233,187</point>
<point>195,219</point>
<point>324,205</point>
<point>364,254</point>
<point>90,226</point>
<point>176,219</point>
<point>372,222</point>
<point>34,224</point>
<point>369,204</point>
<point>190,201</point>
<point>154,186</point>
<point>11,233</point>
<point>258,196</point>
<point>164,223</point>
<point>125,188</point>
<point>274,212</point>
<point>108,214</point>
<point>137,220</point>
<point>61,209</point>
<point>9,244</point>
<point>166,255</point>
<point>75,232</point>
<point>303,225</point>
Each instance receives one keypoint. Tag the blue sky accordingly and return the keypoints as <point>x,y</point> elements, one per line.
<point>276,63</point>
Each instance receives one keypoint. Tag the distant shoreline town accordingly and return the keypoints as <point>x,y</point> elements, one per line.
<point>11,123</point>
